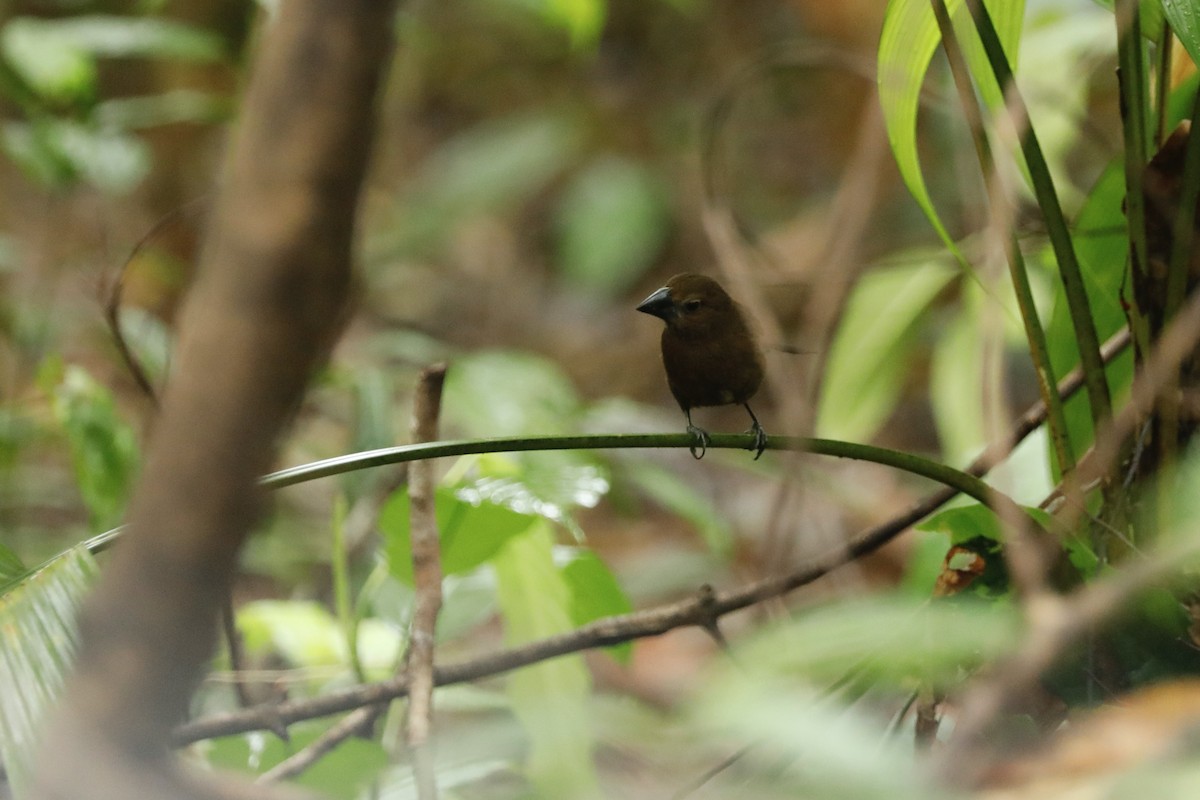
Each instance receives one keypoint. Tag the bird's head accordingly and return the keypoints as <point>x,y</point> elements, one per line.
<point>689,303</point>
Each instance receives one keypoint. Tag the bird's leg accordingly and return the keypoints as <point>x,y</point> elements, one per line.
<point>760,436</point>
<point>699,437</point>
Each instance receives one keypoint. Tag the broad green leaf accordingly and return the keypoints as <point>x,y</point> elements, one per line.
<point>507,393</point>
<point>612,223</point>
<point>868,359</point>
<point>549,699</point>
<point>304,633</point>
<point>37,646</point>
<point>548,484</point>
<point>906,46</point>
<point>964,524</point>
<point>307,634</point>
<point>595,593</point>
<point>471,533</point>
<point>103,448</point>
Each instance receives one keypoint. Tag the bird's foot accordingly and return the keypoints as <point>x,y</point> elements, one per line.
<point>760,439</point>
<point>699,440</point>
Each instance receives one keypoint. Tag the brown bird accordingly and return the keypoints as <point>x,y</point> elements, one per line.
<point>708,350</point>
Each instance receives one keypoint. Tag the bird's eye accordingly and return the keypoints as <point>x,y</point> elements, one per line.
<point>691,305</point>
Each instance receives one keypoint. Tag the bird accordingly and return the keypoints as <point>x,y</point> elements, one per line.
<point>708,350</point>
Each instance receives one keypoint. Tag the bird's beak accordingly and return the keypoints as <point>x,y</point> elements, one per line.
<point>659,304</point>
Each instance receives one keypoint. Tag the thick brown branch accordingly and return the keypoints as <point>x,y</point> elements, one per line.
<point>272,290</point>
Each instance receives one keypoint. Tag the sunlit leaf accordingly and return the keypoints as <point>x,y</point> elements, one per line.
<point>103,448</point>
<point>52,65</point>
<point>303,632</point>
<point>906,46</point>
<point>551,698</point>
<point>471,533</point>
<point>37,646</point>
<point>868,360</point>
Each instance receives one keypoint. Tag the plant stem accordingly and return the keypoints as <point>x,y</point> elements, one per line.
<point>1035,334</point>
<point>1056,224</point>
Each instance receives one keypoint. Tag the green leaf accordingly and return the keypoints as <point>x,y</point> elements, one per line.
<point>583,20</point>
<point>1102,246</point>
<point>868,359</point>
<point>612,223</point>
<point>122,37</point>
<point>548,484</point>
<point>471,533</point>
<point>508,393</point>
<point>49,62</point>
<point>37,646</point>
<point>343,773</point>
<point>10,565</point>
<point>549,699</point>
<point>964,524</point>
<point>906,46</point>
<point>595,593</point>
<point>103,448</point>
<point>305,633</point>
<point>59,152</point>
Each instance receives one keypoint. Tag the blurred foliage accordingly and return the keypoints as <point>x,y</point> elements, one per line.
<point>535,177</point>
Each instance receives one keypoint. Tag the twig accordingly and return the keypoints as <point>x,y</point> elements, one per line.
<point>355,722</point>
<point>427,581</point>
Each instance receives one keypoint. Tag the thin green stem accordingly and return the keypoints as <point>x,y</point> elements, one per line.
<point>1056,224</point>
<point>1035,334</point>
<point>1131,82</point>
<point>1162,83</point>
<point>958,480</point>
<point>1185,220</point>
<point>343,605</point>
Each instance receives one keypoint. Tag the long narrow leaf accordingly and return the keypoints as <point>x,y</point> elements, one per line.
<point>906,47</point>
<point>37,646</point>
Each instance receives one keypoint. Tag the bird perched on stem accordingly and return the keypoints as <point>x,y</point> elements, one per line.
<point>708,350</point>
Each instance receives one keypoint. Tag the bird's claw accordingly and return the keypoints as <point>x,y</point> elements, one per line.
<point>700,440</point>
<point>760,440</point>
